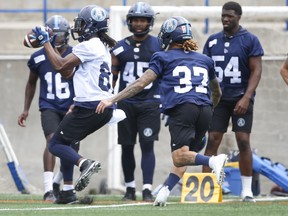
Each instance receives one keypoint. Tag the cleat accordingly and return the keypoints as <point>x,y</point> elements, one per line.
<point>217,164</point>
<point>88,168</point>
<point>56,189</point>
<point>49,196</point>
<point>162,197</point>
<point>129,195</point>
<point>147,196</point>
<point>66,197</point>
<point>248,199</point>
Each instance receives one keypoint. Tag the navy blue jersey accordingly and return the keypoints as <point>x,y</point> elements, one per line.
<point>134,59</point>
<point>184,77</point>
<point>55,92</point>
<point>231,57</point>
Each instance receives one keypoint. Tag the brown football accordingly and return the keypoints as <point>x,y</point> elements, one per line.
<point>31,41</point>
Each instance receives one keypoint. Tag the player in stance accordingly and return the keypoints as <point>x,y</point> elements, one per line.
<point>186,80</point>
<point>90,66</point>
<point>56,96</point>
<point>130,58</point>
<point>237,55</point>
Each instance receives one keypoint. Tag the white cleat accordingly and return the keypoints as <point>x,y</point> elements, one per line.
<point>217,164</point>
<point>162,197</point>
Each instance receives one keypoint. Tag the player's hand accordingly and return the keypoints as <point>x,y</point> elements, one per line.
<point>42,34</point>
<point>70,110</point>
<point>102,105</point>
<point>22,119</point>
<point>242,106</point>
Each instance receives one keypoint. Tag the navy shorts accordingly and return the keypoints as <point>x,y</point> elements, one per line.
<point>50,119</point>
<point>188,124</point>
<point>222,114</point>
<point>142,119</point>
<point>79,124</point>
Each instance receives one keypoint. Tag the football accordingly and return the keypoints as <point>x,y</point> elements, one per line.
<point>31,41</point>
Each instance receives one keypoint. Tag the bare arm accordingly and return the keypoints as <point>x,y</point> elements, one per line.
<point>134,88</point>
<point>29,95</point>
<point>255,65</point>
<point>284,71</point>
<point>216,92</point>
<point>65,66</point>
<point>115,68</point>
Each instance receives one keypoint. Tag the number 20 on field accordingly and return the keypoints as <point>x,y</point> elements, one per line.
<point>200,188</point>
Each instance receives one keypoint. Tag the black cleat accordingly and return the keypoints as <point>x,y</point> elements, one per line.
<point>87,169</point>
<point>147,196</point>
<point>66,197</point>
<point>248,199</point>
<point>49,196</point>
<point>129,195</point>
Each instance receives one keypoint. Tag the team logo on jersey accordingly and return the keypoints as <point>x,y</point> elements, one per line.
<point>147,132</point>
<point>241,122</point>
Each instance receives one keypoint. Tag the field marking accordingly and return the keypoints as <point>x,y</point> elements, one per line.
<point>75,207</point>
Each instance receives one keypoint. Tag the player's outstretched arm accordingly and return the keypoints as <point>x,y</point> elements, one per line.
<point>134,88</point>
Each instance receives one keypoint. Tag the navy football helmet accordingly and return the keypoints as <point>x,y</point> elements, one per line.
<point>140,9</point>
<point>90,20</point>
<point>174,29</point>
<point>60,27</point>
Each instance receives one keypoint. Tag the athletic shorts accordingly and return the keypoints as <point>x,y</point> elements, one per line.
<point>188,124</point>
<point>224,111</point>
<point>50,119</point>
<point>142,119</point>
<point>79,124</point>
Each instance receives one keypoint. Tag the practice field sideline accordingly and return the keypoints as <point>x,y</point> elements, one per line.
<point>108,205</point>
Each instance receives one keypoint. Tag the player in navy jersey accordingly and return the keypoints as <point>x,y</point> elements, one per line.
<point>130,58</point>
<point>90,66</point>
<point>284,70</point>
<point>187,84</point>
<point>55,98</point>
<point>238,63</point>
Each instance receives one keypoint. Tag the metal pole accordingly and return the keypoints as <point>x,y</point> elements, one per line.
<point>44,11</point>
<point>207,20</point>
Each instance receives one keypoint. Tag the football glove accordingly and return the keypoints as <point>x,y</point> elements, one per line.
<point>42,34</point>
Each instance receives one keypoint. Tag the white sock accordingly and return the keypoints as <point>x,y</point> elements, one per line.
<point>81,162</point>
<point>48,181</point>
<point>67,187</point>
<point>147,186</point>
<point>131,184</point>
<point>58,177</point>
<point>246,186</point>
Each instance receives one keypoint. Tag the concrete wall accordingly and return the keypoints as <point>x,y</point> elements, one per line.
<point>269,134</point>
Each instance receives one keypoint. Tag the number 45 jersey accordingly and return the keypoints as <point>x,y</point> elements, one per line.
<point>56,93</point>
<point>231,59</point>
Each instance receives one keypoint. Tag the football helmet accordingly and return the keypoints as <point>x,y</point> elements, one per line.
<point>90,20</point>
<point>61,28</point>
<point>174,29</point>
<point>140,9</point>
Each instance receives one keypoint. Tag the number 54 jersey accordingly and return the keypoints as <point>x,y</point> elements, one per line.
<point>231,58</point>
<point>56,93</point>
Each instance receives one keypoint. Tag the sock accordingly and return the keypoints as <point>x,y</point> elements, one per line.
<point>48,181</point>
<point>67,187</point>
<point>131,184</point>
<point>58,177</point>
<point>246,186</point>
<point>81,162</point>
<point>172,181</point>
<point>202,160</point>
<point>147,186</point>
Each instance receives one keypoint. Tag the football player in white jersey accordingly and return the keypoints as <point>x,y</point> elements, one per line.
<point>89,65</point>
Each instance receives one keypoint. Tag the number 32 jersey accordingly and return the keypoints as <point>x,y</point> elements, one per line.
<point>56,93</point>
<point>231,59</point>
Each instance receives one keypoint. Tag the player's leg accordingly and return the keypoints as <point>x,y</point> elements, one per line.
<point>49,120</point>
<point>127,132</point>
<point>242,126</point>
<point>148,122</point>
<point>217,128</point>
